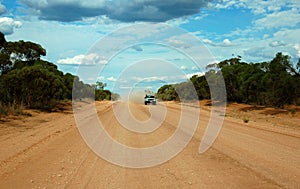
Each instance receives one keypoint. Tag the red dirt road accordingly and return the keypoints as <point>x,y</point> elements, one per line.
<point>47,151</point>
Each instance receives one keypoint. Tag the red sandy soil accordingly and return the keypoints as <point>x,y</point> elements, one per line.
<point>46,150</point>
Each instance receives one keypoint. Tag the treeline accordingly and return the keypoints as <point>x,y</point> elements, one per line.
<point>274,83</point>
<point>102,94</point>
<point>30,82</point>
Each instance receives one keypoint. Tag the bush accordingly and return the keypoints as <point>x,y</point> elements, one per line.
<point>246,120</point>
<point>11,109</point>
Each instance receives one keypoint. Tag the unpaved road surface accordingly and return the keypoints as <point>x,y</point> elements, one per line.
<point>47,151</point>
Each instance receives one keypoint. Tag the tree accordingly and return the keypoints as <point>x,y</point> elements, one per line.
<point>2,40</point>
<point>184,91</point>
<point>27,80</point>
<point>278,81</point>
<point>68,80</point>
<point>32,86</point>
<point>5,63</point>
<point>100,85</point>
<point>82,90</point>
<point>103,95</point>
<point>274,83</point>
<point>115,96</point>
<point>15,55</point>
<point>167,93</point>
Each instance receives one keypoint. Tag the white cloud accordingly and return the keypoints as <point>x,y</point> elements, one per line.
<point>194,68</point>
<point>149,79</point>
<point>276,43</point>
<point>90,59</point>
<point>196,33</point>
<point>67,40</point>
<point>76,60</point>
<point>200,17</point>
<point>178,43</point>
<point>288,18</point>
<point>259,52</point>
<point>225,4</point>
<point>188,76</point>
<point>257,6</point>
<point>100,78</point>
<point>111,79</point>
<point>226,42</point>
<point>297,48</point>
<point>287,54</point>
<point>209,42</point>
<point>183,67</point>
<point>178,21</point>
<point>7,25</point>
<point>63,40</point>
<point>2,9</point>
<point>288,35</point>
<point>274,28</point>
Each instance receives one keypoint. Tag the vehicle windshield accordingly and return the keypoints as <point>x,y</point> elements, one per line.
<point>149,96</point>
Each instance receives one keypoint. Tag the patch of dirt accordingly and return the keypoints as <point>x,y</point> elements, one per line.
<point>274,112</point>
<point>46,150</point>
<point>251,108</point>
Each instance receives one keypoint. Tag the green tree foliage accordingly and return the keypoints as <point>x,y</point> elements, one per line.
<point>2,40</point>
<point>100,85</point>
<point>34,86</point>
<point>201,86</point>
<point>15,55</point>
<point>102,94</point>
<point>82,90</point>
<point>279,82</point>
<point>273,83</point>
<point>27,80</point>
<point>25,51</point>
<point>115,97</point>
<point>167,93</point>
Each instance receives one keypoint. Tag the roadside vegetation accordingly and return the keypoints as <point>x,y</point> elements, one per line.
<point>27,81</point>
<point>274,83</point>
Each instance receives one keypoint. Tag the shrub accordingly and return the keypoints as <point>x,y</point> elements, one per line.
<point>246,120</point>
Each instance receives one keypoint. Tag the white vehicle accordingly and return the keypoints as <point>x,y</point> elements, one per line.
<point>150,99</point>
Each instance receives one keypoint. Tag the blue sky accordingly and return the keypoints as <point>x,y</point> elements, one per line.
<point>70,29</point>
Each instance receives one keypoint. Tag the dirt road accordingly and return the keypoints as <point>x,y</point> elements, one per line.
<point>47,151</point>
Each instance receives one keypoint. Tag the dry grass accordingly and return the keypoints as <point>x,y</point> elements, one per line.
<point>11,109</point>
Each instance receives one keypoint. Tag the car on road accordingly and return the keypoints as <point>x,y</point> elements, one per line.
<point>150,99</point>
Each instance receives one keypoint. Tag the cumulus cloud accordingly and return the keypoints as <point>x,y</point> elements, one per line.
<point>122,10</point>
<point>90,59</point>
<point>76,60</point>
<point>111,79</point>
<point>178,43</point>
<point>2,9</point>
<point>288,18</point>
<point>297,48</point>
<point>149,79</point>
<point>183,67</point>
<point>225,43</point>
<point>7,25</point>
<point>200,17</point>
<point>257,6</point>
<point>188,76</point>
<point>276,44</point>
<point>194,68</point>
<point>209,42</point>
<point>260,52</point>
